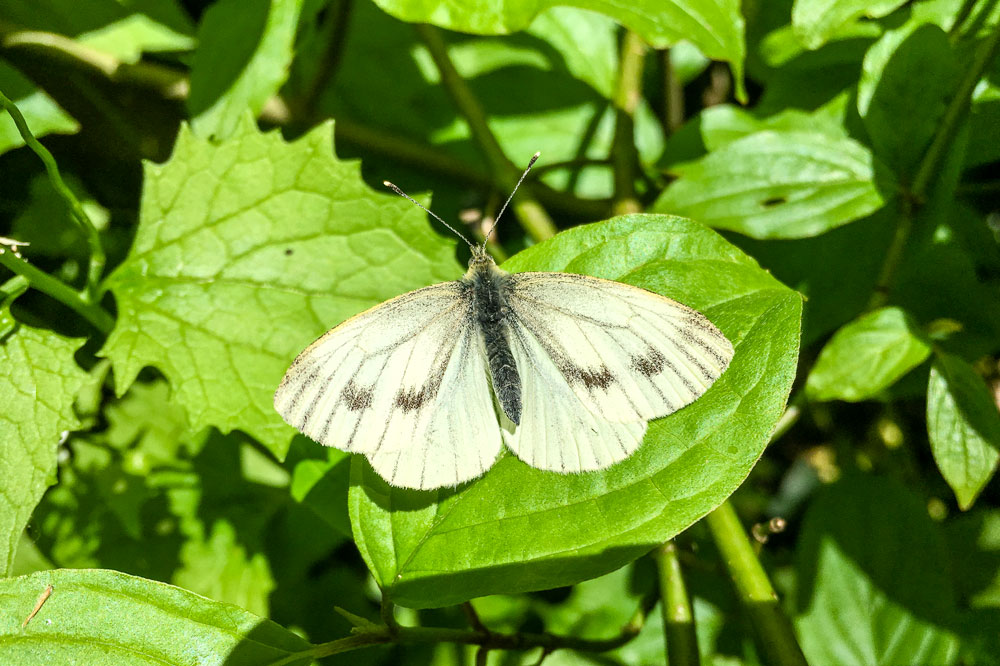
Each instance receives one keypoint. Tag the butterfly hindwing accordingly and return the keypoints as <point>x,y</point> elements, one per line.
<point>626,353</point>
<point>385,383</point>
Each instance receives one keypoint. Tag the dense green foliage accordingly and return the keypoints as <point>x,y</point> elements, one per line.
<point>819,177</point>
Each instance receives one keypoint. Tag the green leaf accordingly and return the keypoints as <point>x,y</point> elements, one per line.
<point>714,26</point>
<point>909,68</point>
<point>122,30</point>
<point>777,184</point>
<point>974,542</point>
<point>874,587</point>
<point>97,617</point>
<point>244,52</point>
<point>519,528</point>
<point>40,111</point>
<point>39,382</point>
<point>963,425</point>
<point>816,21</point>
<point>322,486</point>
<point>247,251</point>
<point>867,356</point>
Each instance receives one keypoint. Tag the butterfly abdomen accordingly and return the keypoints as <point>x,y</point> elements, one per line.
<point>492,313</point>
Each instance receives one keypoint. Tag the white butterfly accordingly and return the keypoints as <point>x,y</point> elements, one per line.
<point>564,369</point>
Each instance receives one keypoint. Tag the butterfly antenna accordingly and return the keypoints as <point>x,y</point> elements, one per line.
<point>519,181</point>
<point>426,210</point>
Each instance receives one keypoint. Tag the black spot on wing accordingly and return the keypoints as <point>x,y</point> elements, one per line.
<point>649,364</point>
<point>411,399</point>
<point>592,378</point>
<point>357,398</point>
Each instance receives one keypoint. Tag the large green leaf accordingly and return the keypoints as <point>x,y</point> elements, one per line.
<point>246,251</point>
<point>874,587</point>
<point>93,616</point>
<point>777,184</point>
<point>867,356</point>
<point>38,384</point>
<point>244,52</point>
<point>519,528</point>
<point>909,68</point>
<point>963,425</point>
<point>714,26</point>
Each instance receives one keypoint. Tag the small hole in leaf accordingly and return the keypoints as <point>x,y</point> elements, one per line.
<point>773,201</point>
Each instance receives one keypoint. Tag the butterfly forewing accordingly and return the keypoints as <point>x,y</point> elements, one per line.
<point>386,383</point>
<point>627,354</point>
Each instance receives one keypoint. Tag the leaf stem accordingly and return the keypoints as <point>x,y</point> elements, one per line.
<point>47,284</point>
<point>678,615</point>
<point>97,258</point>
<point>627,94</point>
<point>930,165</point>
<point>774,630</point>
<point>533,217</point>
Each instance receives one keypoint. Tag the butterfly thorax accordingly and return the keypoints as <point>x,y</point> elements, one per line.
<point>488,286</point>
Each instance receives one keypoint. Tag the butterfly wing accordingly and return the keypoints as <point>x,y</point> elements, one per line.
<point>403,383</point>
<point>607,356</point>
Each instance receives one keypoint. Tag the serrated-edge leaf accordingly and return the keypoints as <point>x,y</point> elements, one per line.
<point>37,389</point>
<point>777,184</point>
<point>246,251</point>
<point>867,356</point>
<point>963,425</point>
<point>518,529</point>
<point>94,616</point>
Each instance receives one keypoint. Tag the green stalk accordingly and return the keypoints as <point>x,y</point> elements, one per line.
<point>627,94</point>
<point>97,258</point>
<point>776,637</point>
<point>47,284</point>
<point>678,616</point>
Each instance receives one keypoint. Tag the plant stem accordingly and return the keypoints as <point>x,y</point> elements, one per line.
<point>533,217</point>
<point>97,259</point>
<point>774,630</point>
<point>930,165</point>
<point>47,284</point>
<point>626,98</point>
<point>678,616</point>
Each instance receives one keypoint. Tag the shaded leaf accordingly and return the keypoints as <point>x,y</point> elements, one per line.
<point>909,68</point>
<point>39,382</point>
<point>243,55</point>
<point>867,356</point>
<point>40,111</point>
<point>816,21</point>
<point>963,425</point>
<point>874,587</point>
<point>246,252</point>
<point>96,617</point>
<point>787,184</point>
<point>519,528</point>
<point>123,30</point>
<point>974,544</point>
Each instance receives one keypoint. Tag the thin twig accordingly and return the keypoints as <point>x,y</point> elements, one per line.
<point>533,217</point>
<point>930,166</point>
<point>627,94</point>
<point>97,259</point>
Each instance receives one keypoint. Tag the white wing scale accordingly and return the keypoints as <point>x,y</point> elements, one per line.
<point>404,383</point>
